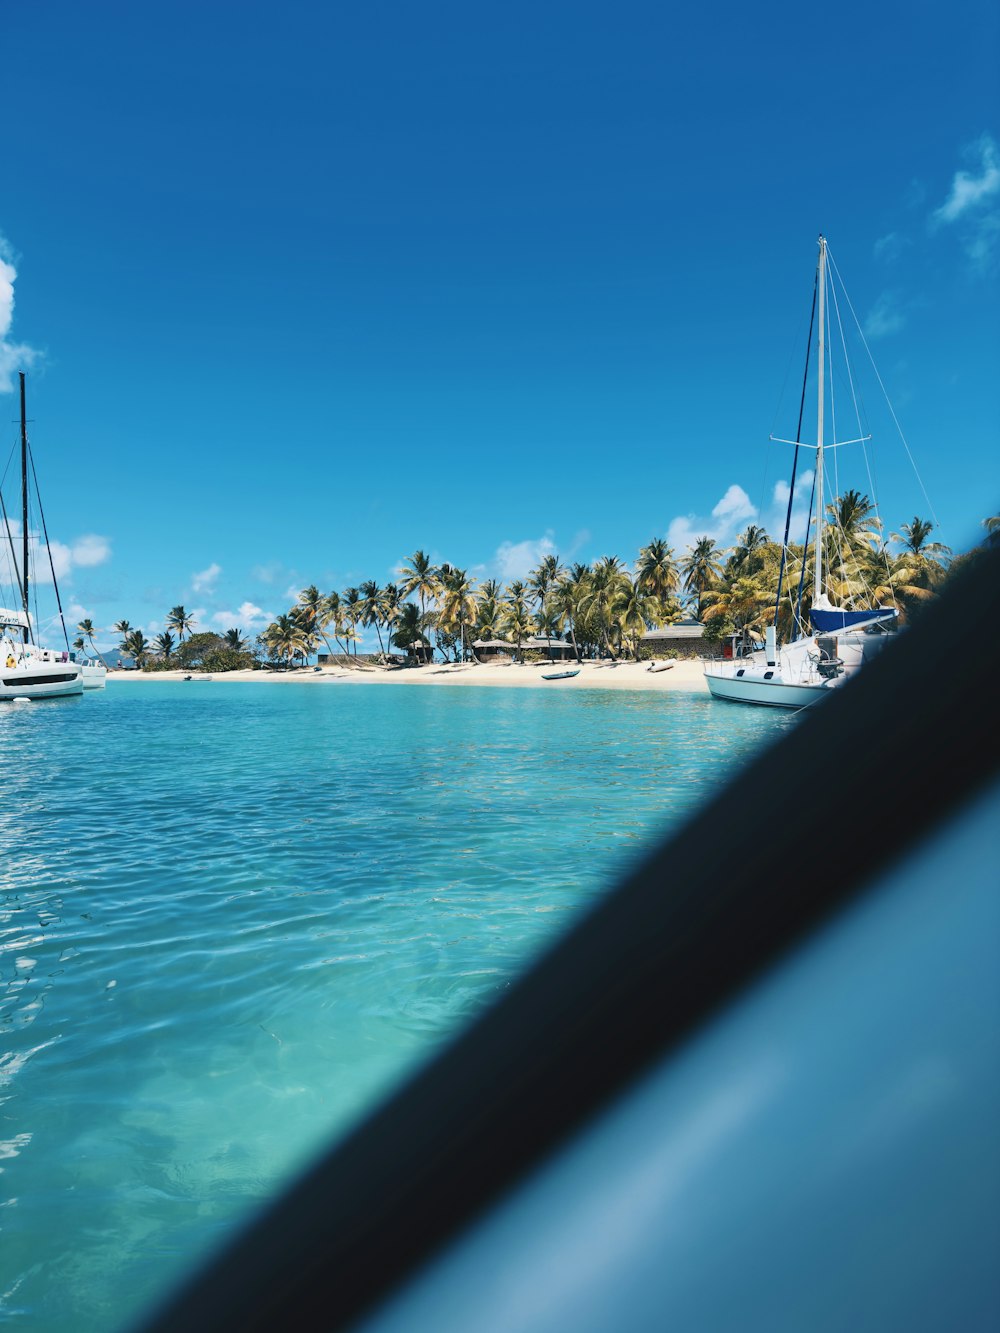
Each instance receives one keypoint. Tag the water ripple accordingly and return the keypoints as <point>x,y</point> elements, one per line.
<point>231,917</point>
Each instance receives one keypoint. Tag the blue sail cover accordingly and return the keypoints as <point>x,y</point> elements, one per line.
<point>829,621</point>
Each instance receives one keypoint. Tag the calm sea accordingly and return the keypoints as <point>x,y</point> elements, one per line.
<point>232,915</point>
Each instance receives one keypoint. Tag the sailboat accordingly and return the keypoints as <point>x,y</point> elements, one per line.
<point>28,671</point>
<point>799,673</point>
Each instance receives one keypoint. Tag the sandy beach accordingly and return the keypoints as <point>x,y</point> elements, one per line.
<point>684,675</point>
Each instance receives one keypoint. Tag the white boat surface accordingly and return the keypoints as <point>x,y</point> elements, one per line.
<point>26,675</point>
<point>95,675</point>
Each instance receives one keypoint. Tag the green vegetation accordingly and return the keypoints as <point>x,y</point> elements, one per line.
<point>603,609</point>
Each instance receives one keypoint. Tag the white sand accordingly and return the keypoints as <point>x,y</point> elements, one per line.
<point>685,675</point>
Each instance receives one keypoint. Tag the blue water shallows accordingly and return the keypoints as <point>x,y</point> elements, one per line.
<point>232,916</point>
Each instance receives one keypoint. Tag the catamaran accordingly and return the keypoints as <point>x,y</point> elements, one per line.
<point>27,670</point>
<point>799,673</point>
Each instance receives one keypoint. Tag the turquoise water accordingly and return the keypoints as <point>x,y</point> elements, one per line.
<point>232,915</point>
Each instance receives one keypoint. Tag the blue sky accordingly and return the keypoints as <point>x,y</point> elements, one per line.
<point>302,289</point>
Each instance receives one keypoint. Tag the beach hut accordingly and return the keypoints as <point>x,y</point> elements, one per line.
<point>490,650</point>
<point>418,650</point>
<point>556,650</point>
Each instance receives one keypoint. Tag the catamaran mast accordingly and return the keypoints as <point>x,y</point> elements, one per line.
<point>24,510</point>
<point>818,580</point>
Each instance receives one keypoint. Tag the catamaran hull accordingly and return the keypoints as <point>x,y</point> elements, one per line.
<point>35,682</point>
<point>93,677</point>
<point>767,693</point>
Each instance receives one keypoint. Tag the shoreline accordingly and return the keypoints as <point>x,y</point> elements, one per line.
<point>685,675</point>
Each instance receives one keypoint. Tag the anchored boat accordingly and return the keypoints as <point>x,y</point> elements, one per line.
<point>799,673</point>
<point>28,671</point>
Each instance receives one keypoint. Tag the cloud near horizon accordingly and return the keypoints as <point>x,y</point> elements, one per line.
<point>728,516</point>
<point>516,560</point>
<point>13,356</point>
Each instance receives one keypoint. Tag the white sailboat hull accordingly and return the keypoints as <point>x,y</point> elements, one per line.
<point>752,688</point>
<point>93,676</point>
<point>40,680</point>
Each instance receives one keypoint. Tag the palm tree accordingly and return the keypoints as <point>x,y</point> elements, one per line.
<point>331,612</point>
<point>86,628</point>
<point>285,637</point>
<point>371,609</point>
<point>564,600</point>
<point>310,606</point>
<point>749,548</point>
<point>164,645</point>
<point>701,568</point>
<point>352,605</point>
<point>541,582</point>
<point>390,602</point>
<point>914,539</point>
<point>635,611</point>
<point>603,587</point>
<point>234,640</point>
<point>905,578</point>
<point>744,603</point>
<point>420,577</point>
<point>516,616</point>
<point>458,602</point>
<point>179,620</point>
<point>79,645</point>
<point>408,632</point>
<point>123,628</point>
<point>853,528</point>
<point>657,569</point>
<point>136,646</point>
<point>489,612</point>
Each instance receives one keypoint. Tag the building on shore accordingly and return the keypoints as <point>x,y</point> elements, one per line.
<point>683,639</point>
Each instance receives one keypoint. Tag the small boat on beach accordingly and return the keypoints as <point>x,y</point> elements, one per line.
<point>560,675</point>
<point>663,666</point>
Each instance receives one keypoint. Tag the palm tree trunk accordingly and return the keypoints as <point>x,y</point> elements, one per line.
<point>97,650</point>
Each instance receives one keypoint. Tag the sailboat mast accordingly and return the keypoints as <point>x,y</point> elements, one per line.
<point>818,581</point>
<point>24,509</point>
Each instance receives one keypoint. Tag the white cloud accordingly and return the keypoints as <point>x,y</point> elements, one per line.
<point>516,560</point>
<point>76,612</point>
<point>969,190</point>
<point>90,550</point>
<point>207,577</point>
<point>974,202</point>
<point>774,520</point>
<point>13,356</point>
<point>890,247</point>
<point>885,317</point>
<point>734,505</point>
<point>248,617</point>
<point>62,557</point>
<point>731,513</point>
